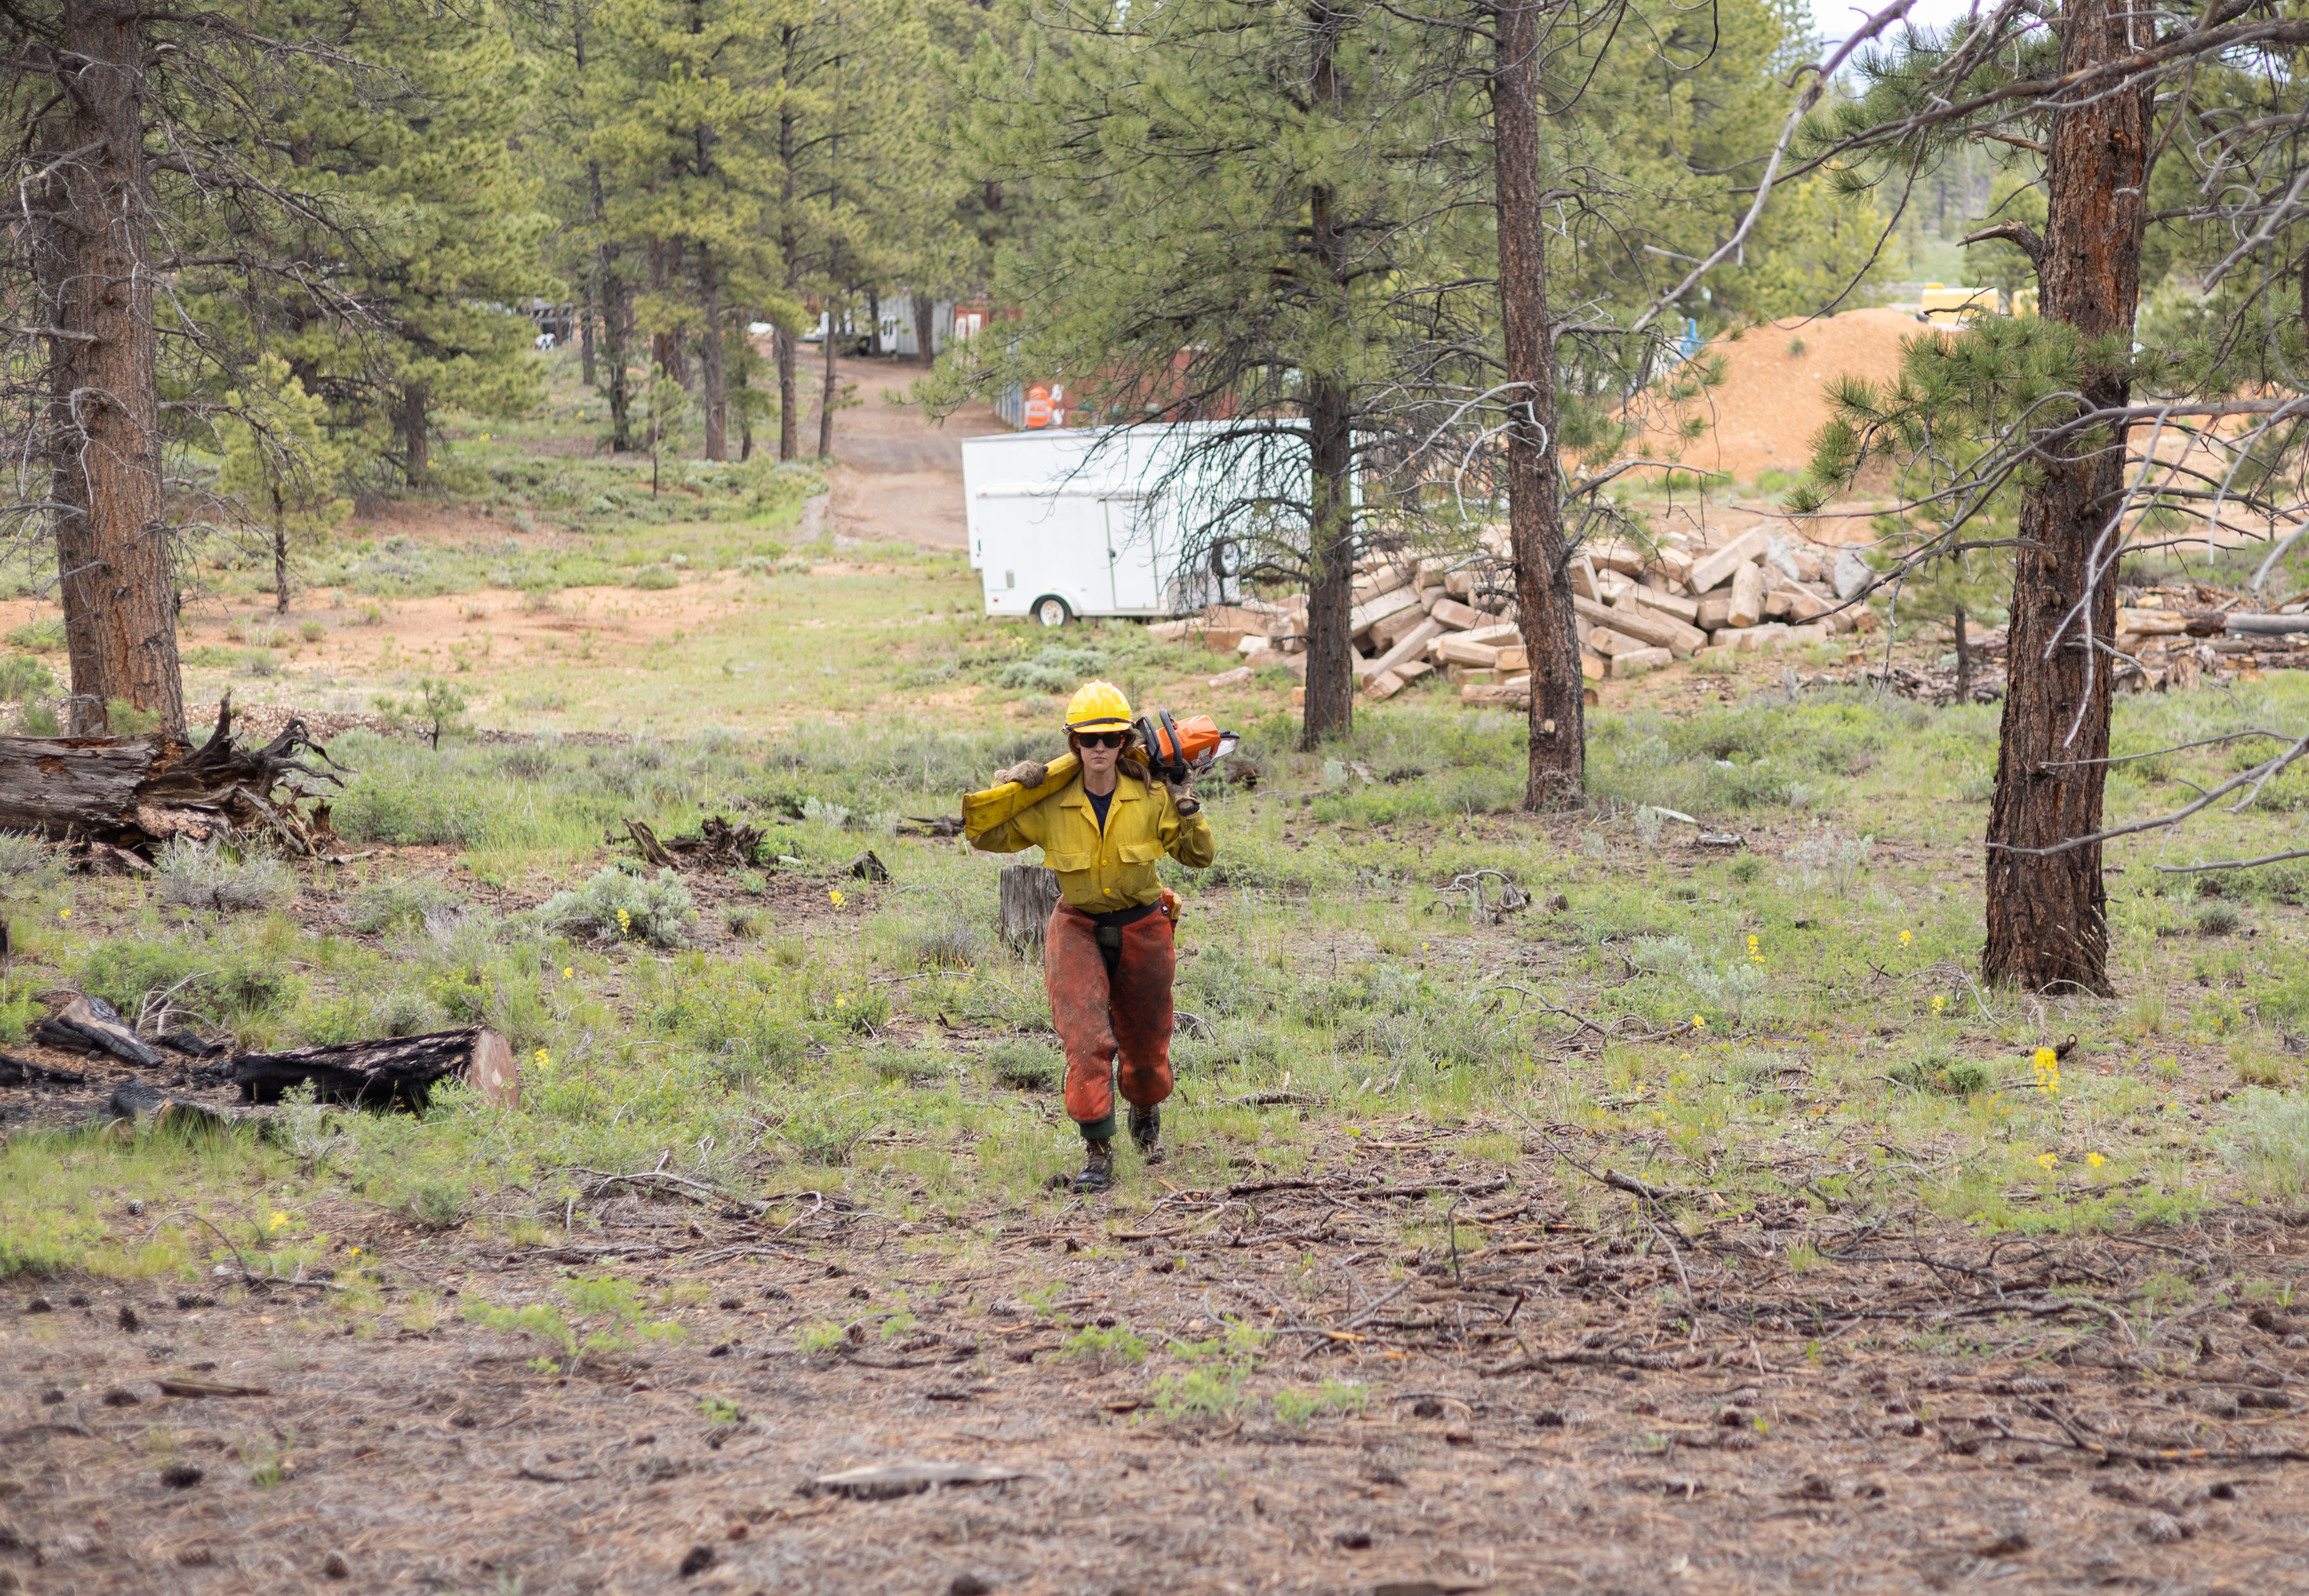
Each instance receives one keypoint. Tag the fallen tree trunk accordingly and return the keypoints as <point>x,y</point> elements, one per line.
<point>141,791</point>
<point>396,1071</point>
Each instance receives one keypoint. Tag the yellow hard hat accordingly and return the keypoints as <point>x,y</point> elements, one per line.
<point>1098,706</point>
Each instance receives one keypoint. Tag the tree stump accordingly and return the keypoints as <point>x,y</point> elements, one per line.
<point>1030,894</point>
<point>139,792</point>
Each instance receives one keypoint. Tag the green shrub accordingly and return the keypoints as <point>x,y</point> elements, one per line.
<point>26,865</point>
<point>21,676</point>
<point>43,636</point>
<point>402,904</point>
<point>654,579</point>
<point>206,875</point>
<point>1025,1065</point>
<point>1053,669</point>
<point>40,719</point>
<point>620,907</point>
<point>2269,1144</point>
<point>126,719</point>
<point>194,976</point>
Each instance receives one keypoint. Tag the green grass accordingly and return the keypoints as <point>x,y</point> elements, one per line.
<point>1790,1023</point>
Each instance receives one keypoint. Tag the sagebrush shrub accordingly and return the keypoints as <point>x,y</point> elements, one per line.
<point>202,876</point>
<point>616,906</point>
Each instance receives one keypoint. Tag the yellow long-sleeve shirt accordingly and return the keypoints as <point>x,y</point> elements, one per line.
<point>1102,871</point>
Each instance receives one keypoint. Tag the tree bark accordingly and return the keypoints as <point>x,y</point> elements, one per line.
<point>279,554</point>
<point>412,421</point>
<point>141,793</point>
<point>926,324</point>
<point>789,387</point>
<point>1330,708</point>
<point>92,227</point>
<point>1556,771</point>
<point>709,373</point>
<point>616,329</point>
<point>826,400</point>
<point>2047,913</point>
<point>585,339</point>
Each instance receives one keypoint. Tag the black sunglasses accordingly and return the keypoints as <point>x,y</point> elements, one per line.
<point>1103,739</point>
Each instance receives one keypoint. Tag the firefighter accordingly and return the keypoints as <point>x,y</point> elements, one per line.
<point>1107,955</point>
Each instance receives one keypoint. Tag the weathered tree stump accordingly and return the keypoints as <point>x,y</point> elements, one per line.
<point>1030,894</point>
<point>397,1070</point>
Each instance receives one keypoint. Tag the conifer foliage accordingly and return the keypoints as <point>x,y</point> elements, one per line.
<point>2132,126</point>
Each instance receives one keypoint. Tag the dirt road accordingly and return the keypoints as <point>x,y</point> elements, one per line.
<point>896,476</point>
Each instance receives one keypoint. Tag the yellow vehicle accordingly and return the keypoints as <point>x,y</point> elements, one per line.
<point>1941,304</point>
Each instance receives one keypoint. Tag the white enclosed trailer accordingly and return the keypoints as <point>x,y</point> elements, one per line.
<point>1068,522</point>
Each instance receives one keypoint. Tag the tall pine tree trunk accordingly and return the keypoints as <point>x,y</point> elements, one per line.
<point>413,419</point>
<point>92,242</point>
<point>826,400</point>
<point>1330,709</point>
<point>2047,913</point>
<point>585,338</point>
<point>710,374</point>
<point>280,552</point>
<point>926,320</point>
<point>1556,775</point>
<point>617,335</point>
<point>789,387</point>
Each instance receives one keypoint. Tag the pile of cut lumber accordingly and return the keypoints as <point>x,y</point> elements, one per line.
<point>2182,633</point>
<point>1637,608</point>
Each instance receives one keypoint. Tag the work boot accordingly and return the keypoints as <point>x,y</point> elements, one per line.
<point>1146,1133</point>
<point>1098,1168</point>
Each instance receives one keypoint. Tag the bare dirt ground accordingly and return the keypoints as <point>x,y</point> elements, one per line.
<point>895,478</point>
<point>1919,1409</point>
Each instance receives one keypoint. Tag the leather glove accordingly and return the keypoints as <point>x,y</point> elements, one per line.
<point>1183,798</point>
<point>1026,772</point>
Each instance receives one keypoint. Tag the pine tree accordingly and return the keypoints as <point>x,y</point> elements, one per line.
<point>1228,229</point>
<point>688,174</point>
<point>2055,420</point>
<point>282,464</point>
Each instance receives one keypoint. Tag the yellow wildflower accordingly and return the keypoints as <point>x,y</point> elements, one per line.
<point>840,1000</point>
<point>2046,1059</point>
<point>566,971</point>
<point>278,1220</point>
<point>543,1058</point>
<point>2047,1160</point>
<point>2095,1159</point>
<point>1907,937</point>
<point>835,897</point>
<point>64,914</point>
<point>1939,1001</point>
<point>1699,1021</point>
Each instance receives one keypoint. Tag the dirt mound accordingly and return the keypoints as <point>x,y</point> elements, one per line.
<point>1774,396</point>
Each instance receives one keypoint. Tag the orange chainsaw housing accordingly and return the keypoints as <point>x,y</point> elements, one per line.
<point>1188,742</point>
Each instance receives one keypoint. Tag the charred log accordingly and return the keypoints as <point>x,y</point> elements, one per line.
<point>397,1072</point>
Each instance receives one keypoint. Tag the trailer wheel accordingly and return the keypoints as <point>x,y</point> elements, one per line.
<point>1052,611</point>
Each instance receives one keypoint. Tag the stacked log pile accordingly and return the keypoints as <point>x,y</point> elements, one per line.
<point>1638,609</point>
<point>2175,634</point>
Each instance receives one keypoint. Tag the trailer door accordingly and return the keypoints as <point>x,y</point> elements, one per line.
<point>1131,576</point>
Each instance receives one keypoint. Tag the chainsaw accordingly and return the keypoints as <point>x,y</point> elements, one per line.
<point>1173,751</point>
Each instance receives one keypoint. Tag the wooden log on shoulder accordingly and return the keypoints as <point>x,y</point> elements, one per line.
<point>395,1071</point>
<point>140,791</point>
<point>1030,896</point>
